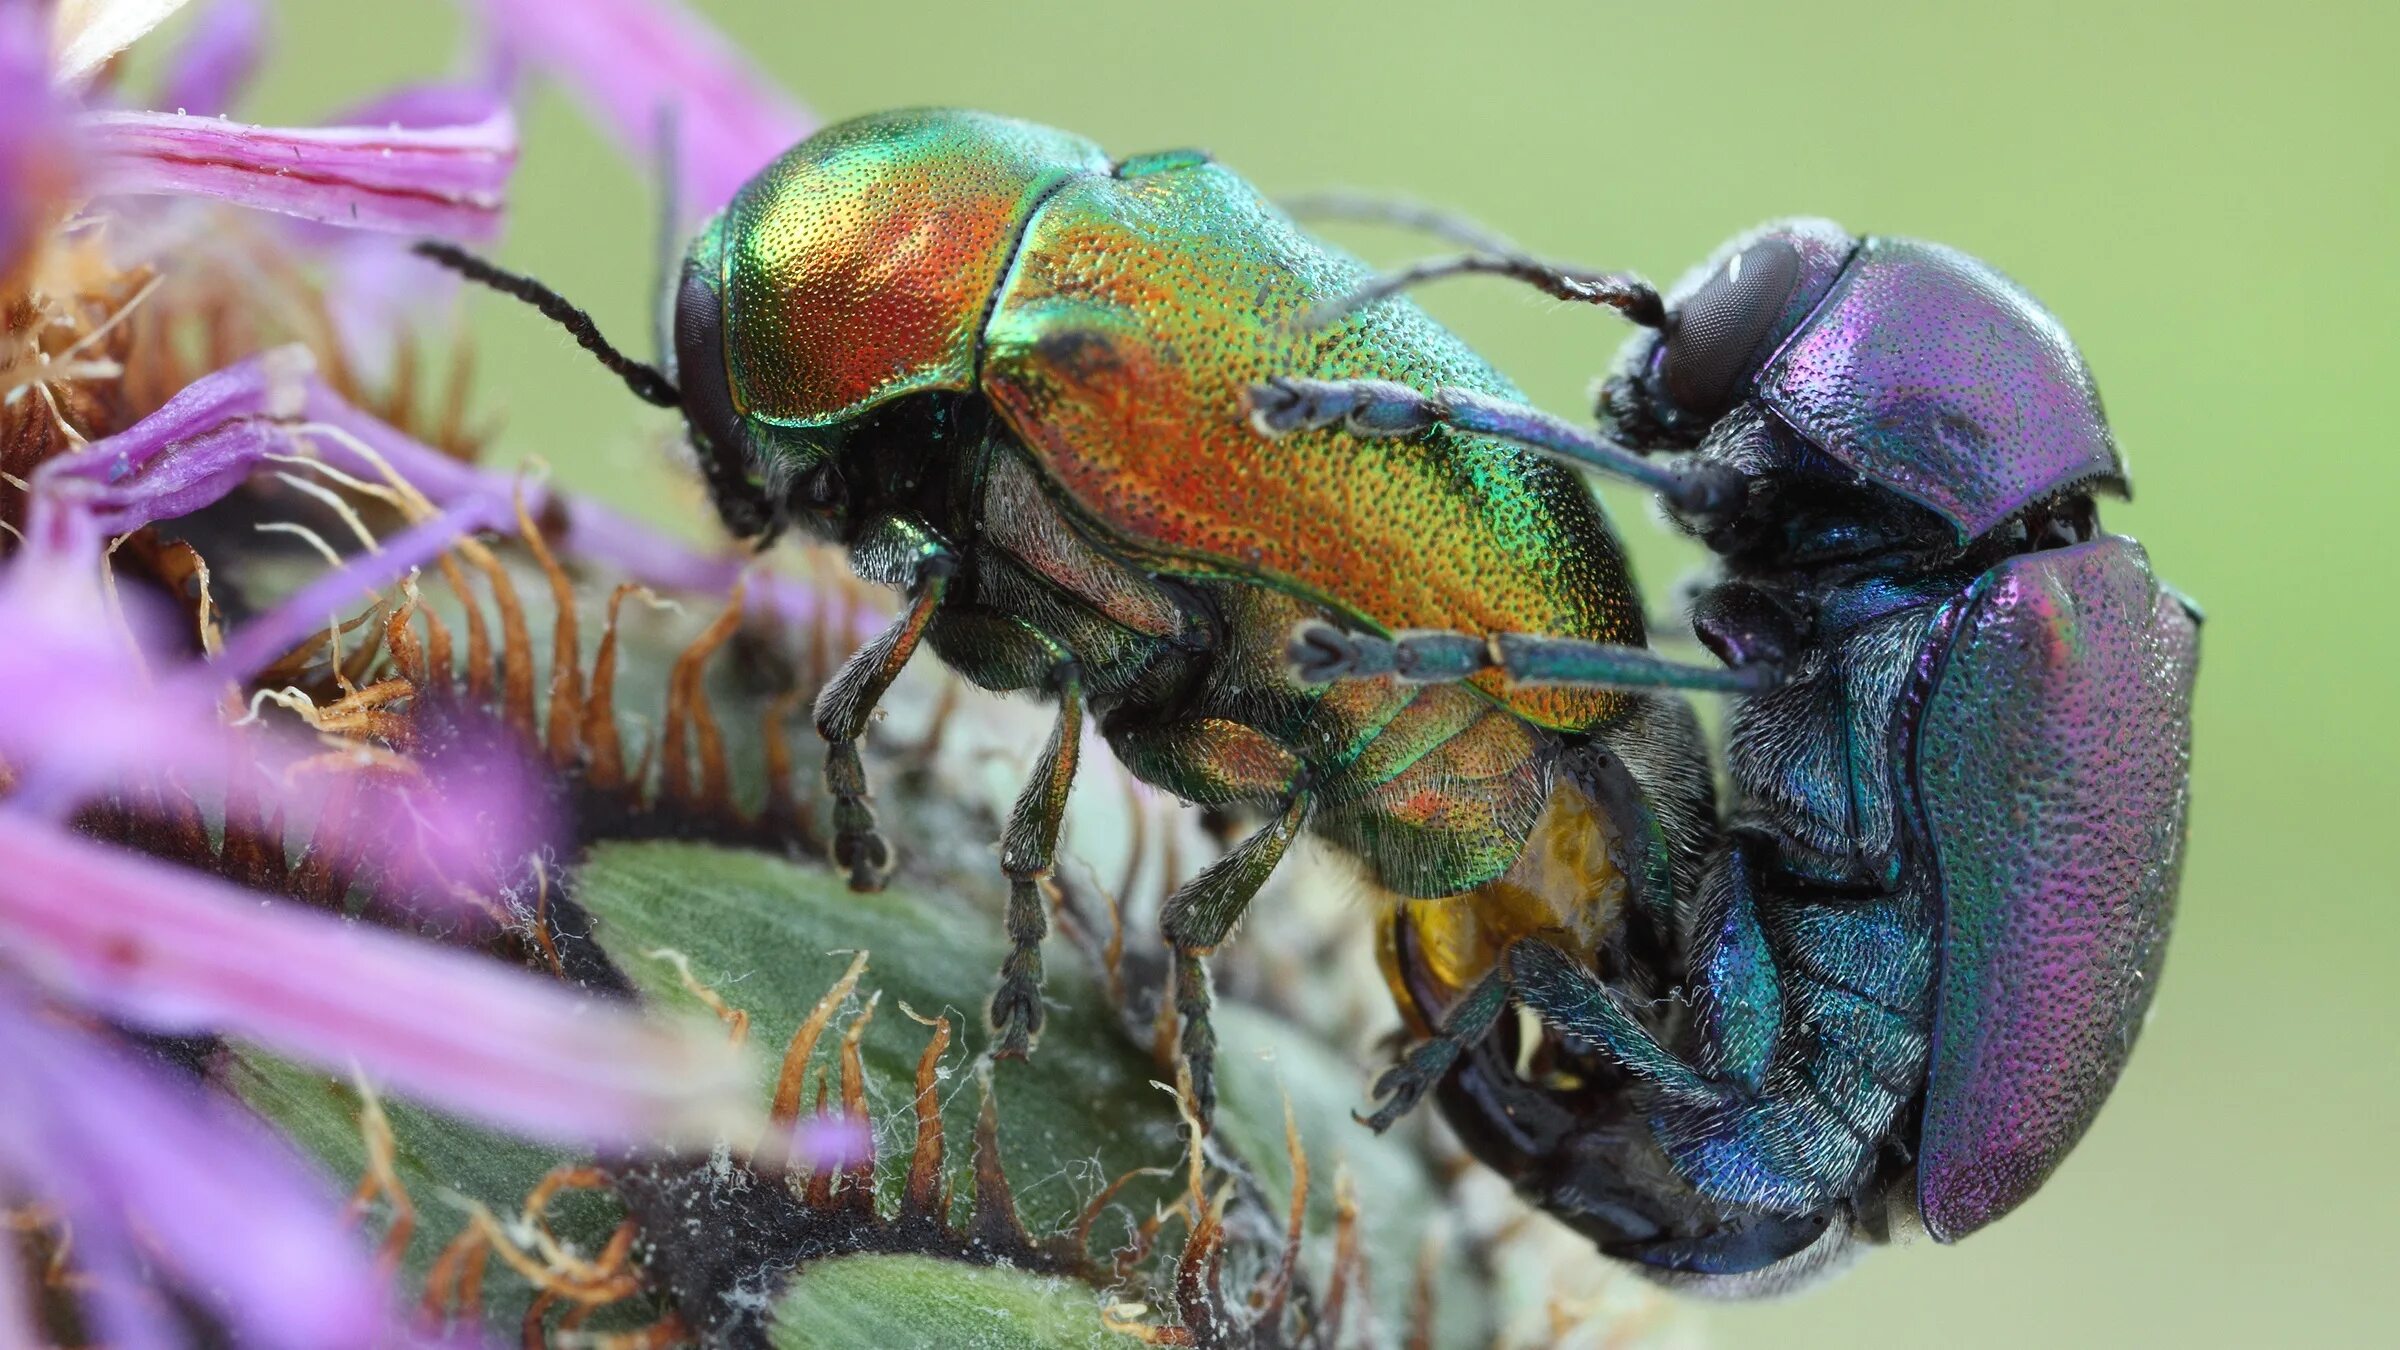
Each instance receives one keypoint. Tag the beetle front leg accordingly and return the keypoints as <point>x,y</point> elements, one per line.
<point>1380,408</point>
<point>849,698</point>
<point>1200,916</point>
<point>1026,853</point>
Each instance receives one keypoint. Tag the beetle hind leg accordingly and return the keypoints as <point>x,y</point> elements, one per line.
<point>1774,1141</point>
<point>1027,851</point>
<point>1201,915</point>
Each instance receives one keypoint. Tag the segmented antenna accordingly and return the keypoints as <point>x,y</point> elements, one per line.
<point>1623,292</point>
<point>1398,211</point>
<point>647,382</point>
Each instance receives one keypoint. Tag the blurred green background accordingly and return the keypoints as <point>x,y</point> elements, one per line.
<point>2204,193</point>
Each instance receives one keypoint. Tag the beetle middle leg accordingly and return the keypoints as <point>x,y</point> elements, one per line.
<point>1027,850</point>
<point>1201,915</point>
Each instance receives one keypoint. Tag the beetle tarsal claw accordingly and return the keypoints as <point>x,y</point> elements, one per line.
<point>1398,1100</point>
<point>1281,406</point>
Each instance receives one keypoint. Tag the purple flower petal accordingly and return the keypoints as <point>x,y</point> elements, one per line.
<point>79,712</point>
<point>829,1142</point>
<point>212,435</point>
<point>36,136</point>
<point>440,180</point>
<point>213,65</point>
<point>451,103</point>
<point>77,708</point>
<point>77,715</point>
<point>626,60</point>
<point>189,454</point>
<point>255,645</point>
<point>172,950</point>
<point>380,296</point>
<point>132,1156</point>
<point>376,290</point>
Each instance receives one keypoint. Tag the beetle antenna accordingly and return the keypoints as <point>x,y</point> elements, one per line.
<point>1399,212</point>
<point>666,257</point>
<point>648,383</point>
<point>1623,292</point>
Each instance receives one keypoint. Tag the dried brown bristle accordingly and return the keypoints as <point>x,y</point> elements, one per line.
<point>856,1188</point>
<point>516,640</point>
<point>382,1178</point>
<point>1349,1276</point>
<point>1276,1288</point>
<point>687,707</point>
<point>736,1020</point>
<point>603,753</point>
<point>782,805</point>
<point>479,642</point>
<point>785,1109</point>
<point>454,1282</point>
<point>994,1224</point>
<point>1420,1300</point>
<point>927,1195</point>
<point>566,649</point>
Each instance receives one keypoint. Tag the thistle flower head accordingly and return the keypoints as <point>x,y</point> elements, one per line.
<point>219,827</point>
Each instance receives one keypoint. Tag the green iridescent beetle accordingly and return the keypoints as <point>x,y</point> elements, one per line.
<point>1007,373</point>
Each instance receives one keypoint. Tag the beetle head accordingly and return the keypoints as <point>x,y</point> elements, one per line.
<point>761,477</point>
<point>1902,368</point>
<point>1723,321</point>
<point>1926,374</point>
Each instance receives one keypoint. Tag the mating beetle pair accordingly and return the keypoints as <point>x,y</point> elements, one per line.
<point>1018,380</point>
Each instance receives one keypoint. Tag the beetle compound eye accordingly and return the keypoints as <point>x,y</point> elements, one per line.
<point>1709,336</point>
<point>700,368</point>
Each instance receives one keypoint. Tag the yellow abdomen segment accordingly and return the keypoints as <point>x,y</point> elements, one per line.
<point>1565,887</point>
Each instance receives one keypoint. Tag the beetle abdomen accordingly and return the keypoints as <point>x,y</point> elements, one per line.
<point>2052,767</point>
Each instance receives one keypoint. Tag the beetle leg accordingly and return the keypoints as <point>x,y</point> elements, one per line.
<point>1399,212</point>
<point>844,706</point>
<point>1782,1110</point>
<point>1402,1085</point>
<point>1629,295</point>
<point>1026,852</point>
<point>1323,653</point>
<point>1575,1004</point>
<point>1200,915</point>
<point>1380,408</point>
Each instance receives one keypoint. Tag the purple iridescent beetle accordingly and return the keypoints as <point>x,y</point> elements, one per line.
<point>1929,928</point>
